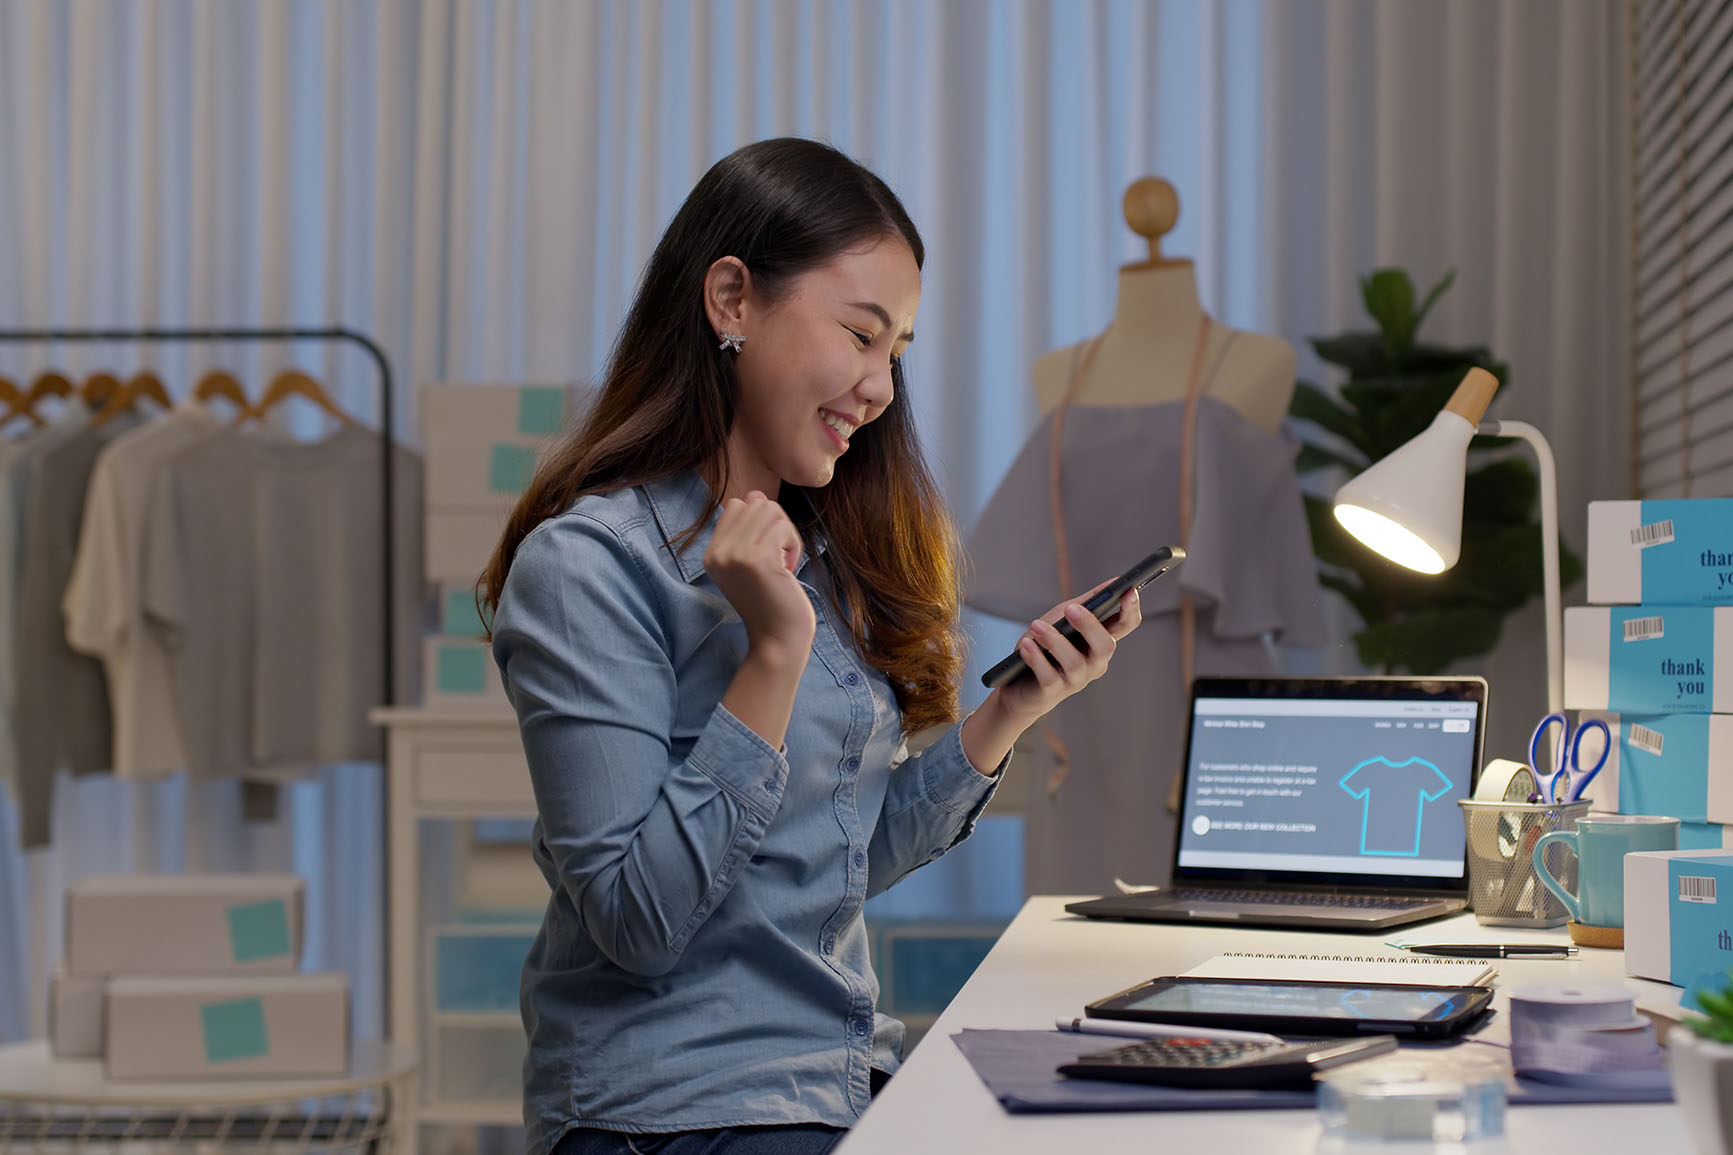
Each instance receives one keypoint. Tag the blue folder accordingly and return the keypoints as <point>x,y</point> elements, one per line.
<point>1019,1068</point>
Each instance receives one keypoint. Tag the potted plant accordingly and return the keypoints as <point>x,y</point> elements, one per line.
<point>1700,1052</point>
<point>1396,385</point>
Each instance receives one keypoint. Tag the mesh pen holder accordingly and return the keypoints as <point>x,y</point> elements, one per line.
<point>1502,886</point>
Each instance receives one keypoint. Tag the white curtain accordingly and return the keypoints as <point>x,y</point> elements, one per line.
<point>477,184</point>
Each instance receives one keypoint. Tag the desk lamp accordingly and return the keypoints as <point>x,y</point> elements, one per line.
<point>1408,506</point>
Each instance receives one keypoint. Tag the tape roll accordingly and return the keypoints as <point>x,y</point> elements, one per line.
<point>1501,781</point>
<point>1504,781</point>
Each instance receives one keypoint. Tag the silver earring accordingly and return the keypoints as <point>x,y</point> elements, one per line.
<point>731,341</point>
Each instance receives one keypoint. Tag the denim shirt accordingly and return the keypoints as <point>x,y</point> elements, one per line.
<point>703,960</point>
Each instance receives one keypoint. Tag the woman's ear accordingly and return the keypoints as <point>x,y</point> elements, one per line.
<point>726,283</point>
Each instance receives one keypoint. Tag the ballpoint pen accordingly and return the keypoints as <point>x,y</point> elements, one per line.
<point>1516,950</point>
<point>1128,1029</point>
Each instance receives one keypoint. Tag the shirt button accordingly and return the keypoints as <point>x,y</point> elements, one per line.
<point>829,945</point>
<point>853,764</point>
<point>859,858</point>
<point>853,679</point>
<point>770,785</point>
<point>860,1027</point>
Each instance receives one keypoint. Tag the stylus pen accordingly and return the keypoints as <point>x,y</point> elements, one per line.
<point>1493,949</point>
<point>1159,1031</point>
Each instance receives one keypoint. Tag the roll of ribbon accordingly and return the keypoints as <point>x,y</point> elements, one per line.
<point>1584,1035</point>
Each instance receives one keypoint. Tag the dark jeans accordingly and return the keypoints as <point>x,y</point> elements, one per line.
<point>799,1139</point>
<point>793,1139</point>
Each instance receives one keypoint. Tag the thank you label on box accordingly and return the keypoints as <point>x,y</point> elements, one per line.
<point>1699,928</point>
<point>1662,662</point>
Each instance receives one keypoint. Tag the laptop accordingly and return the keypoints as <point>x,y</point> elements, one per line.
<point>1323,803</point>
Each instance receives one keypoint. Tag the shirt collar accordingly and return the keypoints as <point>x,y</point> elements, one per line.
<point>676,501</point>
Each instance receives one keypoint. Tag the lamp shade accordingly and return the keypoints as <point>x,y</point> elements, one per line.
<point>1408,506</point>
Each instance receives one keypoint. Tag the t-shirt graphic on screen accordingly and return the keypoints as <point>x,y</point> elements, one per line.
<point>1393,798</point>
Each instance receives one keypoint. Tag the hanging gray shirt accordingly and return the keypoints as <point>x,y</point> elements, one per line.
<point>1249,570</point>
<point>262,572</point>
<point>61,717</point>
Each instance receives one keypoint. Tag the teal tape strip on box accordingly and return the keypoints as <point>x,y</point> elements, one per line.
<point>510,468</point>
<point>259,930</point>
<point>234,1030</point>
<point>459,617</point>
<point>540,409</point>
<point>462,670</point>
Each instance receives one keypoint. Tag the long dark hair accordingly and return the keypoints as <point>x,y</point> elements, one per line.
<point>667,402</point>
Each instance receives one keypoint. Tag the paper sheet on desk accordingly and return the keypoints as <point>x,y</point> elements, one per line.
<point>1018,1068</point>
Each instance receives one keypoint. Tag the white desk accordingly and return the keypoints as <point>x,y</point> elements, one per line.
<point>1050,964</point>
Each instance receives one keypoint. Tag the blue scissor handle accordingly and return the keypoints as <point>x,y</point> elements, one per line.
<point>1558,765</point>
<point>1579,778</point>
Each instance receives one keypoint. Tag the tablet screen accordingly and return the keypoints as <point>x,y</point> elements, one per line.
<point>1296,1000</point>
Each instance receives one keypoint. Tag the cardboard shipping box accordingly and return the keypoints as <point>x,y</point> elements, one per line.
<point>1672,552</point>
<point>211,924</point>
<point>502,413</point>
<point>75,1012</point>
<point>460,674</point>
<point>1649,659</point>
<point>1679,917</point>
<point>249,1026</point>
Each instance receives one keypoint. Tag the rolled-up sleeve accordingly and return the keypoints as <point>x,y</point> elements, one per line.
<point>646,840</point>
<point>932,804</point>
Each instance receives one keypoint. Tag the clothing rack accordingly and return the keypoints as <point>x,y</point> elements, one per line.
<point>387,428</point>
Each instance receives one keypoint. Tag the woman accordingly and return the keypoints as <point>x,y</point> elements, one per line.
<point>718,610</point>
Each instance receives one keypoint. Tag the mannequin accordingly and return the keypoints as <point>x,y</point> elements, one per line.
<point>1165,429</point>
<point>1144,356</point>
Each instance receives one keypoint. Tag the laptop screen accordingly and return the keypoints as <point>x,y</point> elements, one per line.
<point>1348,781</point>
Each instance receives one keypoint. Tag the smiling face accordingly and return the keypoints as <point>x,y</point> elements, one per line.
<point>815,364</point>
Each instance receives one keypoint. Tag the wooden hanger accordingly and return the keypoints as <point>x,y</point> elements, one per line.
<point>13,398</point>
<point>49,384</point>
<point>222,383</point>
<point>143,385</point>
<point>98,388</point>
<point>294,383</point>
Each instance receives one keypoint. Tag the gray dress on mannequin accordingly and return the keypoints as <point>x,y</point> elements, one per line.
<point>1249,572</point>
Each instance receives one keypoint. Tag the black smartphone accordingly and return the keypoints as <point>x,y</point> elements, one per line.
<point>1291,1007</point>
<point>1104,604</point>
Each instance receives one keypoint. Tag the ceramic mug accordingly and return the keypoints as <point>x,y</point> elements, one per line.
<point>1600,843</point>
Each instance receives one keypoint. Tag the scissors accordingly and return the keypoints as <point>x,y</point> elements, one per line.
<point>1569,778</point>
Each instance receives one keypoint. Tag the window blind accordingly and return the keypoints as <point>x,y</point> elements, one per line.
<point>1681,86</point>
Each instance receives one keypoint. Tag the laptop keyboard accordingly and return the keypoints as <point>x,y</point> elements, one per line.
<point>1293,898</point>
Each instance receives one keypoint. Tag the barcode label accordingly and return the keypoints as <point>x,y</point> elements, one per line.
<point>1696,888</point>
<point>1645,629</point>
<point>1655,533</point>
<point>1644,738</point>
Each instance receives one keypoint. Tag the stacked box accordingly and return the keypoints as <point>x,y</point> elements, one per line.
<point>1654,648</point>
<point>1677,928</point>
<point>194,976</point>
<point>481,444</point>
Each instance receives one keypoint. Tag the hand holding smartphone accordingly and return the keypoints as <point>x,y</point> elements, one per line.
<point>1104,603</point>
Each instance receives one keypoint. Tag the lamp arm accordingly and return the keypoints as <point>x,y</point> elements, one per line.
<point>1537,441</point>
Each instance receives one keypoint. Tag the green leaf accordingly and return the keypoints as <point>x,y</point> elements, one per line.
<point>1499,493</point>
<point>1313,457</point>
<point>1353,593</point>
<point>1313,404</point>
<point>1428,641</point>
<point>1361,354</point>
<point>1389,298</point>
<point>1432,296</point>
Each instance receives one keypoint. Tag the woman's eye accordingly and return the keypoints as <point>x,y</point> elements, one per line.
<point>863,338</point>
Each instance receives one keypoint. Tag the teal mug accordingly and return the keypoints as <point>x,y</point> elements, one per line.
<point>1600,843</point>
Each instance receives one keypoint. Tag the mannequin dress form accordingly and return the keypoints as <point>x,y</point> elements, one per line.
<point>1183,416</point>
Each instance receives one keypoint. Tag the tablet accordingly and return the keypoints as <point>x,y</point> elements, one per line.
<point>1293,1007</point>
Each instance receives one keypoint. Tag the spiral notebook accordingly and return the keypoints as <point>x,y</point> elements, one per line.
<point>1405,970</point>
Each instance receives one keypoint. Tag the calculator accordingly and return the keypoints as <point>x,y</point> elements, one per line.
<point>1196,1062</point>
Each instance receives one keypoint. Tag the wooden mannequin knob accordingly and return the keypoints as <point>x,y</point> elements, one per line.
<point>1151,209</point>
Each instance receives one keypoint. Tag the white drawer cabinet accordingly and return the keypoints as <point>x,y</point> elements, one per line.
<point>447,765</point>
